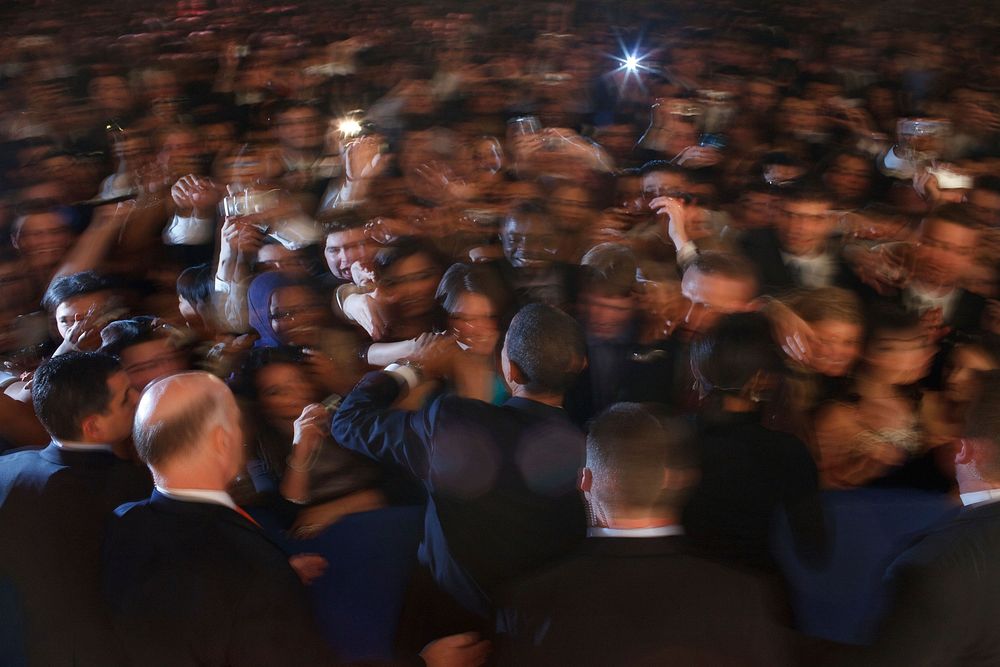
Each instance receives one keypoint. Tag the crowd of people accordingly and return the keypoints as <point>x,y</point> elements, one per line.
<point>561,274</point>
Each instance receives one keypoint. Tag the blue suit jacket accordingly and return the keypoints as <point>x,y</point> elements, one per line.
<point>501,481</point>
<point>54,505</point>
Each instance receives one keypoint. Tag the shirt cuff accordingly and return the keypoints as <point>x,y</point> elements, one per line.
<point>407,374</point>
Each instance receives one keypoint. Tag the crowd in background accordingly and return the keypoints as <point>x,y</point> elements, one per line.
<point>777,223</point>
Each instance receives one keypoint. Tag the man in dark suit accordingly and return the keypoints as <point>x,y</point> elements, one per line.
<point>54,504</point>
<point>946,601</point>
<point>500,479</point>
<point>634,594</point>
<point>799,252</point>
<point>191,579</point>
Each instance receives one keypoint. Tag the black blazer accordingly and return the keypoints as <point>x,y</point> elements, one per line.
<point>501,481</point>
<point>197,584</point>
<point>945,608</point>
<point>638,602</point>
<point>54,504</point>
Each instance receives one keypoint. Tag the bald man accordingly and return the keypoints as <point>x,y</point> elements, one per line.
<point>191,579</point>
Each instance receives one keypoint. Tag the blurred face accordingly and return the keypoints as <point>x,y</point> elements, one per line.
<point>283,390</point>
<point>148,361</point>
<point>276,257</point>
<point>42,240</point>
<point>571,207</point>
<point>180,153</point>
<point>837,347</point>
<point>346,247</point>
<point>111,93</point>
<point>115,423</point>
<point>299,129</point>
<point>711,297</point>
<point>529,242</point>
<point>962,375</point>
<point>900,357</point>
<point>607,317</point>
<point>73,310</point>
<point>475,324</point>
<point>662,183</point>
<point>849,177</point>
<point>806,227</point>
<point>296,316</point>
<point>408,286</point>
<point>944,253</point>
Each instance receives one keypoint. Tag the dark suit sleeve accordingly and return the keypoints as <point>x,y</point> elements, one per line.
<point>927,623</point>
<point>367,424</point>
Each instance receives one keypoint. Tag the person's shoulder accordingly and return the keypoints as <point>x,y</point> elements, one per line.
<point>966,542</point>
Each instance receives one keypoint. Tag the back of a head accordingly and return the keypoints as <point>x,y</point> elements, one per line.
<point>628,448</point>
<point>547,346</point>
<point>174,415</point>
<point>68,388</point>
<point>195,284</point>
<point>736,349</point>
<point>982,421</point>
<point>123,334</point>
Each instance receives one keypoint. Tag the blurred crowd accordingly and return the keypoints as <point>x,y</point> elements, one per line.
<point>777,223</point>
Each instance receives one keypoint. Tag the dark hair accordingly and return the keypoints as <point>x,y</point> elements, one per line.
<point>526,208</point>
<point>889,319</point>
<point>481,279</point>
<point>195,284</point>
<point>408,246</point>
<point>628,447</point>
<point>244,380</point>
<point>547,346</point>
<point>665,166</point>
<point>123,334</point>
<point>988,182</point>
<point>69,388</point>
<point>807,191</point>
<point>73,285</point>
<point>734,267</point>
<point>339,220</point>
<point>610,269</point>
<point>733,351</point>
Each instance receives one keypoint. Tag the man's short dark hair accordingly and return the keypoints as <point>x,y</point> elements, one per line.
<point>732,266</point>
<point>341,221</point>
<point>69,388</point>
<point>631,445</point>
<point>73,285</point>
<point>665,166</point>
<point>547,346</point>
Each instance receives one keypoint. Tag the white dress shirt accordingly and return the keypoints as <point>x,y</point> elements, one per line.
<point>656,531</point>
<point>198,496</point>
<point>980,497</point>
<point>73,446</point>
<point>813,272</point>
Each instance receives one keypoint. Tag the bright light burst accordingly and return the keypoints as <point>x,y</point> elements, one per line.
<point>632,61</point>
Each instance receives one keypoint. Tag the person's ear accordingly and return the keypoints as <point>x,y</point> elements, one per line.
<point>757,386</point>
<point>515,375</point>
<point>91,428</point>
<point>969,451</point>
<point>585,481</point>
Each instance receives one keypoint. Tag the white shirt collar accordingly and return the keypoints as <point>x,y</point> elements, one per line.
<point>74,446</point>
<point>658,531</point>
<point>980,497</point>
<point>815,271</point>
<point>198,496</point>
